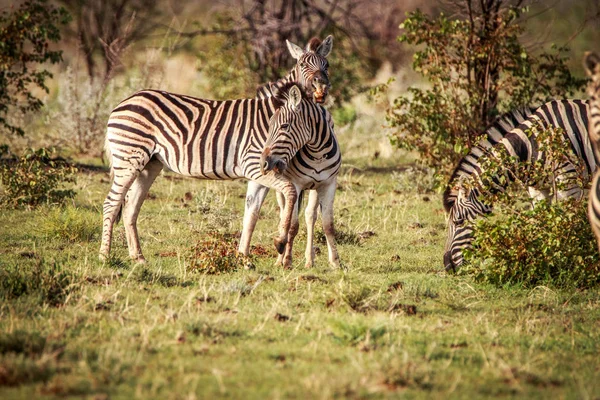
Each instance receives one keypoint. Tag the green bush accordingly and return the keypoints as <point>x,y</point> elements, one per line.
<point>48,284</point>
<point>26,33</point>
<point>477,69</point>
<point>533,243</point>
<point>34,179</point>
<point>549,244</point>
<point>70,224</point>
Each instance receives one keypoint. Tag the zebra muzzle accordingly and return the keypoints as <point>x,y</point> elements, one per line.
<point>269,163</point>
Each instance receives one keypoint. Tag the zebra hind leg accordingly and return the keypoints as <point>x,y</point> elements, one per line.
<point>125,171</point>
<point>133,202</point>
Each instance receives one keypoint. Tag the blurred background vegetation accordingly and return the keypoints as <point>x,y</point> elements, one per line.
<point>96,53</point>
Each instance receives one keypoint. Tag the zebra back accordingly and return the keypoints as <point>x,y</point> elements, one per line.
<point>469,164</point>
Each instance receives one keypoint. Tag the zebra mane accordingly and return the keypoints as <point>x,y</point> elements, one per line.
<point>501,126</point>
<point>313,44</point>
<point>280,93</point>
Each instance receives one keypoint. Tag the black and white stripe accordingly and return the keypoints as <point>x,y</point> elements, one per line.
<point>463,206</point>
<point>194,137</point>
<point>592,67</point>
<point>310,73</point>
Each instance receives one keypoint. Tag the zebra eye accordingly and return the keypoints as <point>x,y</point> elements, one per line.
<point>459,221</point>
<point>285,126</point>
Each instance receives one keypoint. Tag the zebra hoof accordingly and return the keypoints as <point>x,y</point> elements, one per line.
<point>140,260</point>
<point>279,245</point>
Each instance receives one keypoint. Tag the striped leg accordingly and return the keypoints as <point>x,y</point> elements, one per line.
<point>594,207</point>
<point>326,195</point>
<point>285,259</point>
<point>125,171</point>
<point>255,196</point>
<point>133,202</point>
<point>310,215</point>
<point>290,194</point>
<point>281,203</point>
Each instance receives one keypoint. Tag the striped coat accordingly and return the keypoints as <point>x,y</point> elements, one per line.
<point>205,139</point>
<point>464,206</point>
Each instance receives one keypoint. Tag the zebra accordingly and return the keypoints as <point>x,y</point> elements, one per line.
<point>592,67</point>
<point>308,169</point>
<point>315,168</point>
<point>463,206</point>
<point>206,139</point>
<point>310,71</point>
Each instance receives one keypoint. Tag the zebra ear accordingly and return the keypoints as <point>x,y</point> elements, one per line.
<point>295,50</point>
<point>294,96</point>
<point>325,48</point>
<point>590,62</point>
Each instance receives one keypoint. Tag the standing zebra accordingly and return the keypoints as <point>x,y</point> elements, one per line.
<point>308,167</point>
<point>199,138</point>
<point>592,67</point>
<point>463,206</point>
<point>314,167</point>
<point>310,72</point>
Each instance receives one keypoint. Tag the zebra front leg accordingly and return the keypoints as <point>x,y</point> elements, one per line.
<point>286,258</point>
<point>310,215</point>
<point>281,203</point>
<point>255,196</point>
<point>326,195</point>
<point>291,196</point>
<point>133,202</point>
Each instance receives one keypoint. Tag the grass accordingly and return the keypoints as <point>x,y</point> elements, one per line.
<point>391,324</point>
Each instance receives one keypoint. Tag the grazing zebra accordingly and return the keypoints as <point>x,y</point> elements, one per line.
<point>199,138</point>
<point>463,206</point>
<point>592,67</point>
<point>307,168</point>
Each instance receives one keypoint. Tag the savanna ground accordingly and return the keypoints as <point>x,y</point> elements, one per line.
<point>390,324</point>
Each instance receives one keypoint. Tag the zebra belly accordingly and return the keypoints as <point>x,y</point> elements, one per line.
<point>200,167</point>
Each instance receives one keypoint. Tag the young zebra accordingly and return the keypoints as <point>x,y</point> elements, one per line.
<point>308,168</point>
<point>592,67</point>
<point>464,206</point>
<point>199,138</point>
<point>314,167</point>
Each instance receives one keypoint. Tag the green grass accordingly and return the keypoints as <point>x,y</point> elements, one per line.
<point>392,324</point>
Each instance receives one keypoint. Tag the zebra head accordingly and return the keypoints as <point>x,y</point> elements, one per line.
<point>289,128</point>
<point>462,213</point>
<point>311,68</point>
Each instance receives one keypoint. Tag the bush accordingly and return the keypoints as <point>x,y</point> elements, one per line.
<point>71,225</point>
<point>216,254</point>
<point>25,35</point>
<point>477,70</point>
<point>551,243</point>
<point>34,179</point>
<point>543,242</point>
<point>49,284</point>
